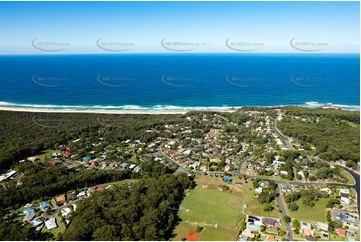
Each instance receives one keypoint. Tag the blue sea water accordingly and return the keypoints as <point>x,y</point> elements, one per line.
<point>176,81</point>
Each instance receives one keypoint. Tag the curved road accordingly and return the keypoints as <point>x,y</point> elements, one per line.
<point>279,199</point>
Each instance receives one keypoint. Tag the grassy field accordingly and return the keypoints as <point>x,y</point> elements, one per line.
<point>254,207</point>
<point>46,154</point>
<point>313,214</point>
<point>349,177</point>
<point>218,212</point>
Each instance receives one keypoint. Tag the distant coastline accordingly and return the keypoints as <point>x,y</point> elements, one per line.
<point>158,109</point>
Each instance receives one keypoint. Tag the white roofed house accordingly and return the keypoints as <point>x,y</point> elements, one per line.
<point>36,222</point>
<point>65,212</point>
<point>345,194</point>
<point>345,200</point>
<point>285,173</point>
<point>258,190</point>
<point>81,194</point>
<point>28,217</point>
<point>51,224</point>
<point>195,165</point>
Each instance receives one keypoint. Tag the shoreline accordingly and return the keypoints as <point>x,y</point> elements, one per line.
<point>178,110</point>
<point>34,110</point>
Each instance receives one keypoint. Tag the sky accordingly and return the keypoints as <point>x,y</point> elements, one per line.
<point>181,27</point>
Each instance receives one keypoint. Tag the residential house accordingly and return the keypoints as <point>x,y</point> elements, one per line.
<point>60,199</point>
<point>346,218</point>
<point>253,226</point>
<point>195,165</point>
<point>350,233</point>
<point>100,188</point>
<point>258,190</point>
<point>71,196</point>
<point>65,211</point>
<point>227,167</point>
<point>243,238</point>
<point>187,152</point>
<point>215,160</point>
<point>342,216</point>
<point>306,229</point>
<point>51,224</point>
<point>28,217</point>
<point>345,200</point>
<point>286,189</point>
<point>264,184</point>
<point>322,226</point>
<point>85,159</point>
<point>325,235</point>
<point>203,168</point>
<point>36,222</point>
<point>248,233</point>
<point>341,232</point>
<point>344,193</point>
<point>310,238</point>
<point>269,221</point>
<point>29,210</point>
<point>81,194</point>
<point>271,238</point>
<point>285,173</point>
<point>45,204</point>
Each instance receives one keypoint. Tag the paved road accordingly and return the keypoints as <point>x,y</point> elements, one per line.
<point>279,199</point>
<point>180,168</point>
<point>356,186</point>
<point>241,163</point>
<point>281,135</point>
<point>281,206</point>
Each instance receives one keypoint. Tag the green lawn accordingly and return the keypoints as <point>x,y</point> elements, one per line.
<point>182,230</point>
<point>210,207</point>
<point>60,229</point>
<point>254,207</point>
<point>349,177</point>
<point>46,154</point>
<point>310,214</point>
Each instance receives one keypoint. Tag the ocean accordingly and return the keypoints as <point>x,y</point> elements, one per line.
<point>178,81</point>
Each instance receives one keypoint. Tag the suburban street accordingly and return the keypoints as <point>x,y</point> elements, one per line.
<point>281,206</point>
<point>279,199</point>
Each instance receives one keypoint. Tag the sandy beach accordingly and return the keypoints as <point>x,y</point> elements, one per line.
<point>108,111</point>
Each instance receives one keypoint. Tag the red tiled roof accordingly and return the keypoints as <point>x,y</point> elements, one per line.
<point>341,232</point>
<point>100,188</point>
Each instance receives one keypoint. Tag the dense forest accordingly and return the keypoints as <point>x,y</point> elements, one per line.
<point>41,181</point>
<point>145,211</point>
<point>336,135</point>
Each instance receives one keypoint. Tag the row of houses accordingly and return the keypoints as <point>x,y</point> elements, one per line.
<point>309,231</point>
<point>254,225</point>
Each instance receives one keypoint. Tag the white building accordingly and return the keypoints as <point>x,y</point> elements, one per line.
<point>51,224</point>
